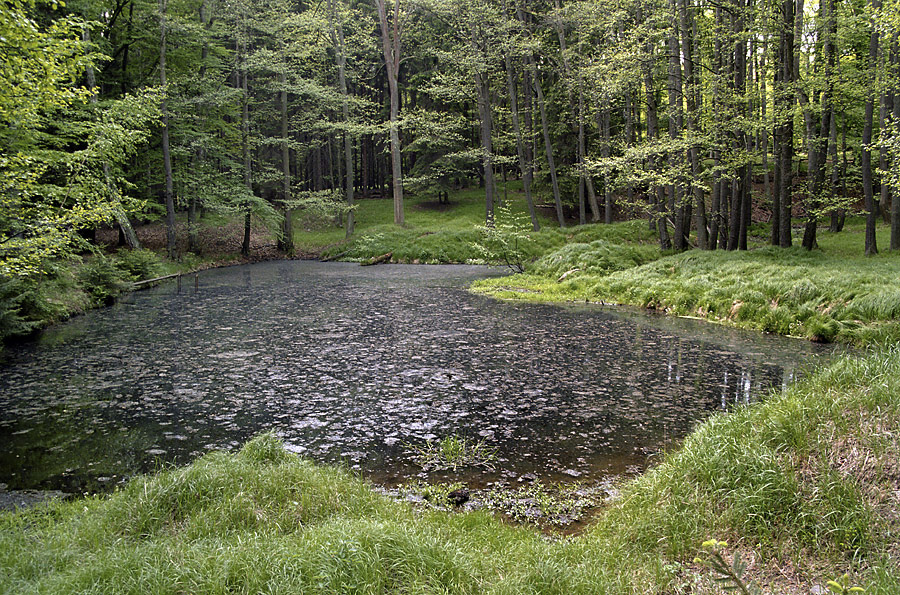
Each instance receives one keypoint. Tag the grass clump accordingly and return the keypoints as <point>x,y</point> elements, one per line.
<point>451,453</point>
<point>555,505</point>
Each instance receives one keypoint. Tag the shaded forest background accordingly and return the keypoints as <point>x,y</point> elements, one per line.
<point>704,117</point>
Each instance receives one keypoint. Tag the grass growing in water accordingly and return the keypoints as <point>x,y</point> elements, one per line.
<point>833,294</point>
<point>453,452</point>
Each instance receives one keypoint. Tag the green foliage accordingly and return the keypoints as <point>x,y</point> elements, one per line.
<point>453,452</point>
<point>103,280</point>
<point>504,241</point>
<point>436,494</point>
<point>138,264</point>
<point>557,505</point>
<point>730,576</point>
<point>597,258</point>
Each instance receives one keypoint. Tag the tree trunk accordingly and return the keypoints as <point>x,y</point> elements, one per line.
<point>524,166</point>
<point>337,38</point>
<point>785,96</point>
<point>484,111</point>
<point>167,156</point>
<point>895,204</point>
<point>286,242</point>
<point>390,41</point>
<point>548,145</point>
<point>245,144</point>
<point>676,122</point>
<point>694,98</point>
<point>578,126</point>
<point>871,245</point>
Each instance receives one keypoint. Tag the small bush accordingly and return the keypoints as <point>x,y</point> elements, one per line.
<point>138,264</point>
<point>102,280</point>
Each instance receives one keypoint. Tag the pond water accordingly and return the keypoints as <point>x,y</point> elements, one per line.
<point>353,365</point>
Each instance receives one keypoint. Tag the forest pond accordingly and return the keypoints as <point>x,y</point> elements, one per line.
<point>358,365</point>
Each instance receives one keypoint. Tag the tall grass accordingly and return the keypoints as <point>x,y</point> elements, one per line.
<point>833,294</point>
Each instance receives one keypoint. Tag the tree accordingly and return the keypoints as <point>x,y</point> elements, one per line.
<point>390,40</point>
<point>59,159</point>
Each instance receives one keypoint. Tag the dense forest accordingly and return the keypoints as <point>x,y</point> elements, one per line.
<point>703,117</point>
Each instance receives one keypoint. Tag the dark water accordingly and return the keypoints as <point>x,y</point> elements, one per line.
<point>352,364</point>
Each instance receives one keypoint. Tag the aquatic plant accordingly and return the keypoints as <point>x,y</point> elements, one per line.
<point>558,505</point>
<point>452,452</point>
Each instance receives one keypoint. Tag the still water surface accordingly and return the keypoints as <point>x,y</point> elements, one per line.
<point>352,365</point>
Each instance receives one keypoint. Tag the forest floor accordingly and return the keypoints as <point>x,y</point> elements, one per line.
<point>803,486</point>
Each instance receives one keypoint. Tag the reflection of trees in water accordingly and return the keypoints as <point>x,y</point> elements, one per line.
<point>346,367</point>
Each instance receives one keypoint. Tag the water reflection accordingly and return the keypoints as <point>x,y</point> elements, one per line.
<point>352,364</point>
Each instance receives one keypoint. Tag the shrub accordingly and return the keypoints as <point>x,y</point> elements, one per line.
<point>138,264</point>
<point>101,280</point>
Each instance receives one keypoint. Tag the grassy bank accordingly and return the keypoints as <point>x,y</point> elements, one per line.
<point>804,485</point>
<point>831,294</point>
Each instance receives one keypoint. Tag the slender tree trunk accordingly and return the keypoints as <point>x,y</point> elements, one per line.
<point>820,126</point>
<point>548,145</point>
<point>871,245</point>
<point>286,242</point>
<point>578,125</point>
<point>337,38</point>
<point>694,98</point>
<point>245,143</point>
<point>167,156</point>
<point>676,123</point>
<point>603,123</point>
<point>390,40</point>
<point>836,214</point>
<point>484,111</point>
<point>524,166</point>
<point>786,96</point>
<point>661,213</point>
<point>895,204</point>
<point>887,107</point>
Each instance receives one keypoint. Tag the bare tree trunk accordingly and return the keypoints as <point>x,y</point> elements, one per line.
<point>286,242</point>
<point>390,41</point>
<point>337,38</point>
<point>694,98</point>
<point>548,145</point>
<point>676,123</point>
<point>820,131</point>
<point>871,245</point>
<point>603,123</point>
<point>484,110</point>
<point>245,143</point>
<point>661,213</point>
<point>786,96</point>
<point>895,204</point>
<point>167,156</point>
<point>524,166</point>
<point>579,125</point>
